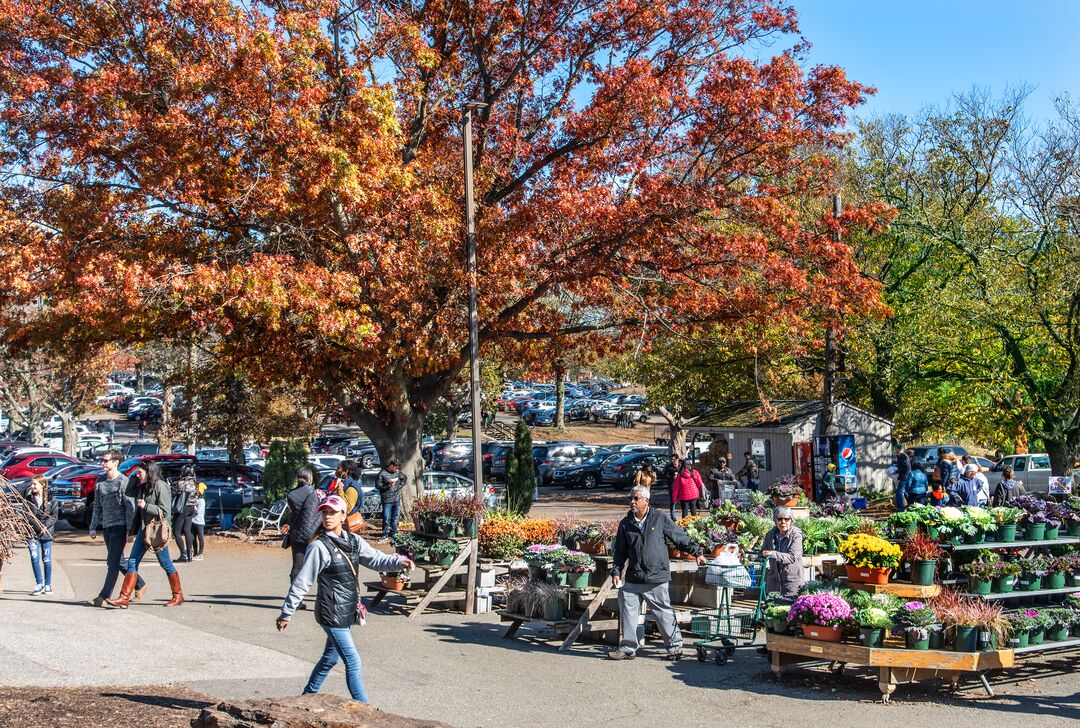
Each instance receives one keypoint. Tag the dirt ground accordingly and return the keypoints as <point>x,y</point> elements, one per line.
<point>108,707</point>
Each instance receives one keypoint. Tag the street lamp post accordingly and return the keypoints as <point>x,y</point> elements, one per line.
<point>474,326</point>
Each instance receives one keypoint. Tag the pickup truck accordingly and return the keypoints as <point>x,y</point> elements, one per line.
<point>1033,470</point>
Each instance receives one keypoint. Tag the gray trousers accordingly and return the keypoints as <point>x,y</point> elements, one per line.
<point>659,601</point>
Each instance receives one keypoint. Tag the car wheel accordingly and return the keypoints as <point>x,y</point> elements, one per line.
<point>590,481</point>
<point>366,461</point>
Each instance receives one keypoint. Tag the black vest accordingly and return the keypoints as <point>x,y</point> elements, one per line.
<point>335,603</point>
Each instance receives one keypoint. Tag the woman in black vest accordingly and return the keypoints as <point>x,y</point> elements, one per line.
<point>332,559</point>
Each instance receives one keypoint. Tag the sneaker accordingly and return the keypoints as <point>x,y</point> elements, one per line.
<point>197,557</point>
<point>383,540</point>
<point>39,591</point>
<point>673,656</point>
<point>48,590</point>
<point>620,655</point>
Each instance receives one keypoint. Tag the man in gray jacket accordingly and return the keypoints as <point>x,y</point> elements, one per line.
<point>640,549</point>
<point>113,512</point>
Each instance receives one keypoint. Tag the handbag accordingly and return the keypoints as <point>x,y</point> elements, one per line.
<point>355,522</point>
<point>361,611</point>
<point>179,502</point>
<point>157,534</point>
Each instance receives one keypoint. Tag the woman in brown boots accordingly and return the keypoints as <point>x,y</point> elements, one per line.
<point>153,500</point>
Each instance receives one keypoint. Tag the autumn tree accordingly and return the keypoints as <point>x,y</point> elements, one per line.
<point>287,176</point>
<point>980,273</point>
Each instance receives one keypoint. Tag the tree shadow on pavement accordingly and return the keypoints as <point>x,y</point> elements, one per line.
<point>161,701</point>
<point>491,635</point>
<point>237,600</point>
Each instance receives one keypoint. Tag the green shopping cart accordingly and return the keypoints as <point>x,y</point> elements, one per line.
<point>722,629</point>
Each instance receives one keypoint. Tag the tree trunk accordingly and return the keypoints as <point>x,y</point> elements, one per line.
<point>138,379</point>
<point>398,436</point>
<point>560,396</point>
<point>1058,450</point>
<point>676,432</point>
<point>71,435</point>
<point>453,411</point>
<point>165,430</point>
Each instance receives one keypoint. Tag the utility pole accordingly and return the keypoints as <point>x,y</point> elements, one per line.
<point>828,426</point>
<point>474,325</point>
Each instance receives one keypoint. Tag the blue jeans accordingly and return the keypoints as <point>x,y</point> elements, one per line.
<point>139,549</point>
<point>114,537</point>
<point>390,513</point>
<point>339,645</point>
<point>41,553</point>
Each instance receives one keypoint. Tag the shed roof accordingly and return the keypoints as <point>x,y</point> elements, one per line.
<point>753,414</point>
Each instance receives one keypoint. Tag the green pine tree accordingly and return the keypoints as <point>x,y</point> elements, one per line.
<point>282,462</point>
<point>520,473</point>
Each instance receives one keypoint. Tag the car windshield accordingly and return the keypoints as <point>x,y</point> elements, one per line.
<point>598,458</point>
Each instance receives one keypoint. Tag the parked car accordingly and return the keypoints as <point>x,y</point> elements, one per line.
<point>585,474</point>
<point>550,456</point>
<point>1033,469</point>
<point>327,443</point>
<point>371,504</point>
<point>31,462</point>
<point>926,456</point>
<point>620,473</point>
<point>455,485</point>
<point>74,489</point>
<point>362,451</point>
<point>451,455</point>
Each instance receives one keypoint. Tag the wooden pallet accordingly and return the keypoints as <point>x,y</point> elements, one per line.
<point>898,589</point>
<point>894,665</point>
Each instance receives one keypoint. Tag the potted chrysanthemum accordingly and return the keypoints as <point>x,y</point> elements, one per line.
<point>869,558</point>
<point>822,616</point>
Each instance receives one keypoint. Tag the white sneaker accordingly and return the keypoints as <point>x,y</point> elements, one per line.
<point>48,590</point>
<point>197,558</point>
<point>383,540</point>
<point>39,591</point>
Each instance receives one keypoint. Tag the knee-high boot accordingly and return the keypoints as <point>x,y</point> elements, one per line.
<point>177,592</point>
<point>128,587</point>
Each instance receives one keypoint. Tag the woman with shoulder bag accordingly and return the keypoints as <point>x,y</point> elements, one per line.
<point>151,529</point>
<point>332,560</point>
<point>44,511</point>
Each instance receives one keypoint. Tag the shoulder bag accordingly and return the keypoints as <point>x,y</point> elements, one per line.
<point>361,610</point>
<point>157,534</point>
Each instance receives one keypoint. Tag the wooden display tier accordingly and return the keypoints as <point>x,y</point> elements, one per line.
<point>992,545</point>
<point>895,666</point>
<point>422,593</point>
<point>898,589</point>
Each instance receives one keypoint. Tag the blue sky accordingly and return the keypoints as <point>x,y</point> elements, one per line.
<point>917,53</point>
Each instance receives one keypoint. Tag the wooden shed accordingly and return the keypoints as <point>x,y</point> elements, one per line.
<point>772,433</point>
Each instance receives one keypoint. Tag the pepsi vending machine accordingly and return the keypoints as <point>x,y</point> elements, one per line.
<point>840,451</point>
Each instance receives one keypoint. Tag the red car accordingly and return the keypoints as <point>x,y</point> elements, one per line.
<point>30,464</point>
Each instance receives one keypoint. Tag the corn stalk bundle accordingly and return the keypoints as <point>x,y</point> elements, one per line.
<point>17,523</point>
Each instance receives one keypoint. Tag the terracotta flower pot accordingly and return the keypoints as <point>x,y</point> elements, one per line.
<point>674,553</point>
<point>821,633</point>
<point>391,582</point>
<point>790,502</point>
<point>863,575</point>
<point>596,549</point>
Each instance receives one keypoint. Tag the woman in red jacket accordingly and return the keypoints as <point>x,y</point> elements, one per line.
<point>686,489</point>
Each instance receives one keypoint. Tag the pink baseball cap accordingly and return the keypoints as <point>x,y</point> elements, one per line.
<point>333,503</point>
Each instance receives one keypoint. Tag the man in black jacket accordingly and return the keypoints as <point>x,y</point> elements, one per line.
<point>303,518</point>
<point>640,549</point>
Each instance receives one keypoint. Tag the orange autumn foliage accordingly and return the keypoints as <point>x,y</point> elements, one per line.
<point>285,181</point>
